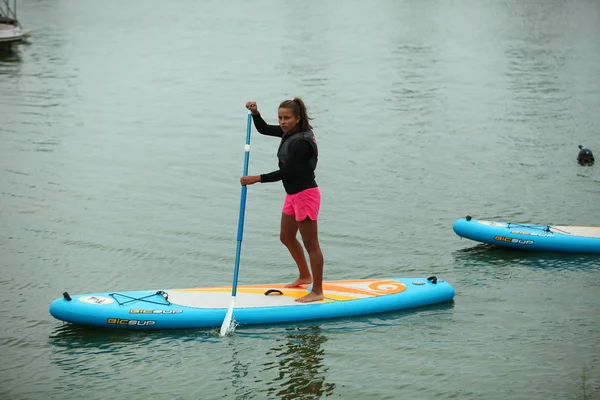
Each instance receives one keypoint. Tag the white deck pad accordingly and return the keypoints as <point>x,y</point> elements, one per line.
<point>249,296</point>
<point>584,231</point>
<point>221,299</point>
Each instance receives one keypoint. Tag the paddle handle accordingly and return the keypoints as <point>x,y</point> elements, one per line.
<point>242,215</point>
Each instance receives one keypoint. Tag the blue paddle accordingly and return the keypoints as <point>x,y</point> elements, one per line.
<point>229,316</point>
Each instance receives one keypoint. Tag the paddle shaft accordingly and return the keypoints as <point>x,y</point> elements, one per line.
<point>240,233</point>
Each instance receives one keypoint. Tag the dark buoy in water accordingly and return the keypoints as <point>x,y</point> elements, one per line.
<point>585,156</point>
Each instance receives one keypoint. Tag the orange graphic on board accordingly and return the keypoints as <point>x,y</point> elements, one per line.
<point>365,287</point>
<point>334,289</point>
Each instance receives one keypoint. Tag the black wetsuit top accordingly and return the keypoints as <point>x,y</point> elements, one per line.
<point>297,164</point>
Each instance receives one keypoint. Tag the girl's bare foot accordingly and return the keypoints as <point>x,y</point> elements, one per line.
<point>300,281</point>
<point>310,298</point>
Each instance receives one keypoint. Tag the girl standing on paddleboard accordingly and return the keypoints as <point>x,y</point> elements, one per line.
<point>297,156</point>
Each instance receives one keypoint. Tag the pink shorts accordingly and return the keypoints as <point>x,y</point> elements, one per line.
<point>304,204</point>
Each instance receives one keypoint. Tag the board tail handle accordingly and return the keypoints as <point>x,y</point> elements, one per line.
<point>268,292</point>
<point>432,279</point>
<point>66,296</point>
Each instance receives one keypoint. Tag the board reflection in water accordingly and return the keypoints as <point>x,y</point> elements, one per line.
<point>300,362</point>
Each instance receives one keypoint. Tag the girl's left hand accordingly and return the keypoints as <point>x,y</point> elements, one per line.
<point>249,180</point>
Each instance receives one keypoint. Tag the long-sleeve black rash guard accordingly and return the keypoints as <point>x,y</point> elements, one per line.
<point>297,173</point>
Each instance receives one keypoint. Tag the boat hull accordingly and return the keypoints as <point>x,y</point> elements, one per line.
<point>557,238</point>
<point>206,307</point>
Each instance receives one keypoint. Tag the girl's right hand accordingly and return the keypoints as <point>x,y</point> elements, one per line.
<point>251,105</point>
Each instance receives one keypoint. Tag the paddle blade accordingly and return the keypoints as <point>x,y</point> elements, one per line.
<point>227,324</point>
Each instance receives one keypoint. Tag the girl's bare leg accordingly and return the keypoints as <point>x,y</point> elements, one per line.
<point>287,235</point>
